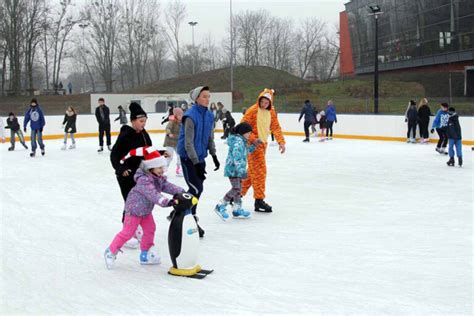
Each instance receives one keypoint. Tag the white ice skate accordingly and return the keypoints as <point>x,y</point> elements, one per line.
<point>109,258</point>
<point>63,147</point>
<point>133,243</point>
<point>150,257</point>
<point>73,146</point>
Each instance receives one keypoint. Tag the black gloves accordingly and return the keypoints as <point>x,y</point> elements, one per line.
<point>216,162</point>
<point>432,130</point>
<point>200,170</point>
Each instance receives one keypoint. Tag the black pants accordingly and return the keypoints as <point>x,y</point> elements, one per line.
<point>104,129</point>
<point>411,127</point>
<point>227,129</point>
<point>195,184</point>
<point>329,128</point>
<point>306,129</point>
<point>443,137</point>
<point>126,184</point>
<point>424,129</point>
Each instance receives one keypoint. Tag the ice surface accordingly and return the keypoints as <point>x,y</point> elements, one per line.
<point>358,227</point>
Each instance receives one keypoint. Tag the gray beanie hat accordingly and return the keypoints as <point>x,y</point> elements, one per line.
<point>194,93</point>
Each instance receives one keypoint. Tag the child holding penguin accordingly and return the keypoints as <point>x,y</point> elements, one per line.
<point>150,184</point>
<point>236,170</point>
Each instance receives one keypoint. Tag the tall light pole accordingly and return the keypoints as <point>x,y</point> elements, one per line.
<point>376,12</point>
<point>83,26</point>
<point>231,50</point>
<point>193,24</point>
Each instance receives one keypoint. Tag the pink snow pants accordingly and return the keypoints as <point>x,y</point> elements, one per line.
<point>130,225</point>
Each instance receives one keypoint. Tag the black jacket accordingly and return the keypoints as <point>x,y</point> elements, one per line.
<point>127,140</point>
<point>13,124</point>
<point>106,120</point>
<point>412,114</point>
<point>454,128</point>
<point>424,113</point>
<point>228,120</point>
<point>70,122</point>
<point>308,112</point>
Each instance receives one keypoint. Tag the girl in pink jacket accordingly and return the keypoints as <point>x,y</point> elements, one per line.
<point>150,184</point>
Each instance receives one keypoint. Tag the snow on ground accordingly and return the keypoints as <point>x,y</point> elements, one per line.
<point>358,227</point>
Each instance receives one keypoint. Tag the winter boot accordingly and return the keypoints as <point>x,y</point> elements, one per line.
<point>443,151</point>
<point>450,162</point>
<point>63,147</point>
<point>239,212</point>
<point>73,146</point>
<point>101,149</point>
<point>109,258</point>
<point>220,210</point>
<point>150,257</point>
<point>261,206</point>
<point>11,148</point>
<point>460,161</point>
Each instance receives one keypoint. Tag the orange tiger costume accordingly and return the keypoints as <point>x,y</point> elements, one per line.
<point>257,170</point>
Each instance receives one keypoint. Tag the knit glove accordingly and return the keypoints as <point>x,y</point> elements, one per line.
<point>216,162</point>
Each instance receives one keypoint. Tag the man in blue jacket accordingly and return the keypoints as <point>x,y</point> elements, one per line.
<point>35,116</point>
<point>196,139</point>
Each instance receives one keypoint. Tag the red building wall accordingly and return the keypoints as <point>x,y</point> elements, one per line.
<point>346,63</point>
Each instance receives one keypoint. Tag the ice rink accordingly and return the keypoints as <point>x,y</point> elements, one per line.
<point>360,227</point>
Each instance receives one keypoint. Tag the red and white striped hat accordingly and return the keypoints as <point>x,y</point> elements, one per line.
<point>152,158</point>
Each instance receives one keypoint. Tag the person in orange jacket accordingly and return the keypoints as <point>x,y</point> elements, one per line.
<point>263,119</point>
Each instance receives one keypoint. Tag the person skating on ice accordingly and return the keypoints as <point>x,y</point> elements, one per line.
<point>440,124</point>
<point>331,118</point>
<point>150,184</point>
<point>130,137</point>
<point>322,125</point>
<point>263,119</point>
<point>171,138</point>
<point>15,130</point>
<point>122,116</point>
<point>454,137</point>
<point>69,125</point>
<point>236,170</point>
<point>196,140</point>
<point>411,118</point>
<point>102,114</point>
<point>424,114</point>
<point>35,117</point>
<point>309,118</point>
<point>228,122</point>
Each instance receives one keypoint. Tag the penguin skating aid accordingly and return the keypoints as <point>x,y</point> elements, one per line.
<point>183,239</point>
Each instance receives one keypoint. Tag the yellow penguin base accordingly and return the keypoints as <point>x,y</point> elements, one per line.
<point>185,272</point>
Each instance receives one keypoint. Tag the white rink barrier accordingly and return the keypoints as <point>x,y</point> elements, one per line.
<point>350,126</point>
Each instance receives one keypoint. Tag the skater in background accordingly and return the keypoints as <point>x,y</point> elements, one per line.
<point>130,137</point>
<point>236,170</point>
<point>313,126</point>
<point>331,118</point>
<point>440,124</point>
<point>196,140</point>
<point>322,125</point>
<point>35,117</point>
<point>171,139</point>
<point>424,113</point>
<point>102,114</point>
<point>169,112</point>
<point>2,131</point>
<point>69,125</point>
<point>150,184</point>
<point>411,118</point>
<point>219,114</point>
<point>263,119</point>
<point>122,116</point>
<point>454,137</point>
<point>14,127</point>
<point>309,118</point>
<point>228,122</point>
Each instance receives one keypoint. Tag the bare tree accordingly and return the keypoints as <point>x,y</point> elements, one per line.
<point>159,50</point>
<point>175,14</point>
<point>308,43</point>
<point>279,48</point>
<point>103,16</point>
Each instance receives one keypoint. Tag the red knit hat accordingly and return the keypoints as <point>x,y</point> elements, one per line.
<point>152,158</point>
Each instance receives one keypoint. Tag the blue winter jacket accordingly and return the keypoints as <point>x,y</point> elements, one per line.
<point>331,113</point>
<point>441,119</point>
<point>203,125</point>
<point>36,116</point>
<point>236,162</point>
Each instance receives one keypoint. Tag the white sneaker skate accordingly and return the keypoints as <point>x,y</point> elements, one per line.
<point>132,243</point>
<point>109,258</point>
<point>150,257</point>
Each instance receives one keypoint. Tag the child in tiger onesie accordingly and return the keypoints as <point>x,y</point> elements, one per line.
<point>263,119</point>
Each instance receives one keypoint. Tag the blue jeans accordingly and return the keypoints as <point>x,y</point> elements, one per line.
<point>36,133</point>
<point>458,144</point>
<point>72,138</point>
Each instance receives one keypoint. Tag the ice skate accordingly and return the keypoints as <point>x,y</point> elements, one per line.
<point>43,152</point>
<point>306,140</point>
<point>32,154</point>
<point>408,140</point>
<point>150,257</point>
<point>109,148</point>
<point>460,161</point>
<point>26,147</point>
<point>239,212</point>
<point>261,206</point>
<point>133,243</point>
<point>11,148</point>
<point>450,162</point>
<point>63,147</point>
<point>73,146</point>
<point>220,210</point>
<point>109,258</point>
<point>101,149</point>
